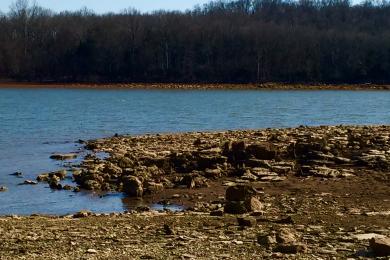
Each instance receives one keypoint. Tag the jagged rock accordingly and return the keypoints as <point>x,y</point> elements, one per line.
<point>380,246</point>
<point>132,186</point>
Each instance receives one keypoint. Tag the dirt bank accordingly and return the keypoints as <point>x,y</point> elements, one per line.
<point>189,86</point>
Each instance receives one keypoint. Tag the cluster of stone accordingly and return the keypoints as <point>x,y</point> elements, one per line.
<point>146,164</point>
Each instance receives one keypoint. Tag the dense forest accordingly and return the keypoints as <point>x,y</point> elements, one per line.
<point>326,41</point>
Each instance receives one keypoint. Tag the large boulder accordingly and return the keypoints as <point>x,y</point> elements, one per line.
<point>251,204</point>
<point>240,199</point>
<point>132,186</point>
<point>263,151</point>
<point>239,193</point>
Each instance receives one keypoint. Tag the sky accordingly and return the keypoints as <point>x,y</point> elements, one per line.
<point>102,6</point>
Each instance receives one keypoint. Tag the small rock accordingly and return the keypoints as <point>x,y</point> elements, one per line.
<point>67,187</point>
<point>44,177</point>
<point>92,251</point>
<point>286,220</point>
<point>285,236</point>
<point>168,230</point>
<point>217,213</point>
<point>82,214</point>
<point>3,188</point>
<point>60,174</point>
<point>17,174</point>
<point>290,248</point>
<point>266,240</point>
<point>246,221</point>
<point>380,246</point>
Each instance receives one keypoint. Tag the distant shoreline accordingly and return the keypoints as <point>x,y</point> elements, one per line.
<point>190,86</point>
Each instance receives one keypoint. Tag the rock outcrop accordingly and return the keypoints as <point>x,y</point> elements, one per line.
<point>192,160</point>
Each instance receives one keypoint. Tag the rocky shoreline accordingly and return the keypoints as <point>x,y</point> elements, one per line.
<point>297,193</point>
<point>197,86</point>
<point>139,165</point>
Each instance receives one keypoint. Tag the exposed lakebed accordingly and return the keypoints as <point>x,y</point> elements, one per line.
<point>35,123</point>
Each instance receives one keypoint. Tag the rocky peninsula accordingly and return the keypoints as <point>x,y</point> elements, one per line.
<point>297,193</point>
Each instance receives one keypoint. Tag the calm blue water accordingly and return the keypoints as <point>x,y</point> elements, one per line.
<point>37,122</point>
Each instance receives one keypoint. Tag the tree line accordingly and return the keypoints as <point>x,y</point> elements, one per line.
<point>323,41</point>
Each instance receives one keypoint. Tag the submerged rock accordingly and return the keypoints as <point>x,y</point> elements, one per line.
<point>63,157</point>
<point>29,182</point>
<point>17,174</point>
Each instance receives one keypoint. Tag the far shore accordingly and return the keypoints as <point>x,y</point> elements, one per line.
<point>200,86</point>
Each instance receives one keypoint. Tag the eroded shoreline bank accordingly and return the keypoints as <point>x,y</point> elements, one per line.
<point>193,86</point>
<point>314,192</point>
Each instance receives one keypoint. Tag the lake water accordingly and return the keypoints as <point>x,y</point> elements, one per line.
<point>37,122</point>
